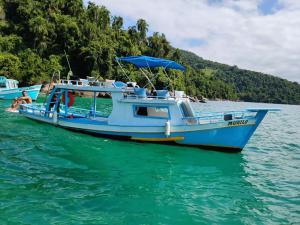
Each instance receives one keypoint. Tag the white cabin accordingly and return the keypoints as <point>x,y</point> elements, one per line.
<point>8,83</point>
<point>133,107</point>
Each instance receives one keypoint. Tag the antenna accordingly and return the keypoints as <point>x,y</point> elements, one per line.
<point>70,73</point>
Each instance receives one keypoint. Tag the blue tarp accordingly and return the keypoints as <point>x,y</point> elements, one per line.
<point>151,62</point>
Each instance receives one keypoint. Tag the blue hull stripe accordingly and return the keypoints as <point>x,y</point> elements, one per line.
<point>231,137</point>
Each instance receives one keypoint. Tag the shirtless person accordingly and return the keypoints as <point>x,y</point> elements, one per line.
<point>25,99</point>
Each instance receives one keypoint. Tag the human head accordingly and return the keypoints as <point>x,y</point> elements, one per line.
<point>24,93</point>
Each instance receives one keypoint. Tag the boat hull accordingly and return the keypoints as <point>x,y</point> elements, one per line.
<point>32,91</point>
<point>228,136</point>
<point>225,139</point>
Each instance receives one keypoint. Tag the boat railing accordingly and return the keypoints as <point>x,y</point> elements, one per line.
<point>89,113</point>
<point>40,110</point>
<point>74,82</point>
<point>35,109</point>
<point>215,117</point>
<point>84,82</point>
<point>151,97</point>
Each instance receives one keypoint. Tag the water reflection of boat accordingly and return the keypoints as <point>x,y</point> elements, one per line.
<point>142,116</point>
<point>9,89</point>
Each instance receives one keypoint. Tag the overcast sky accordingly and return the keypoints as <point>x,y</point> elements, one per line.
<point>260,35</point>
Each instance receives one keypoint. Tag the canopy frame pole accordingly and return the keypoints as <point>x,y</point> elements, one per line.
<point>171,82</point>
<point>148,70</point>
<point>152,73</point>
<point>151,78</point>
<point>94,104</point>
<point>149,81</point>
<point>122,69</point>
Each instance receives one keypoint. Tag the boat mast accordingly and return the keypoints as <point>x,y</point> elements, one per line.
<point>70,73</point>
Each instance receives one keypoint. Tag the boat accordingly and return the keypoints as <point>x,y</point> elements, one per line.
<point>9,89</point>
<point>148,117</point>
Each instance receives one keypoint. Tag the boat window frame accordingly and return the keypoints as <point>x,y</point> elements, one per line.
<point>134,108</point>
<point>181,110</point>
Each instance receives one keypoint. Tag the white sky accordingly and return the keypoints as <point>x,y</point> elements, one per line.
<point>260,35</point>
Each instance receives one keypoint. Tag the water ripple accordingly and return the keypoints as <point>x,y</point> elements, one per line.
<point>52,176</point>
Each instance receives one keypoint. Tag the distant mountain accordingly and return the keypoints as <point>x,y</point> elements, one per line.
<point>248,85</point>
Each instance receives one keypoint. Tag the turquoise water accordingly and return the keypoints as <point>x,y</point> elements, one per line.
<point>53,176</point>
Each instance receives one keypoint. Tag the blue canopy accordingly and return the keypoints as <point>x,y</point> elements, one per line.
<point>151,62</point>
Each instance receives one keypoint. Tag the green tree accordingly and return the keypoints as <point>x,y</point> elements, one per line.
<point>9,65</point>
<point>42,32</point>
<point>158,45</point>
<point>117,23</point>
<point>142,27</point>
<point>10,43</point>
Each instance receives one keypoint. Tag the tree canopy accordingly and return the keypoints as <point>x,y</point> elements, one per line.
<point>34,36</point>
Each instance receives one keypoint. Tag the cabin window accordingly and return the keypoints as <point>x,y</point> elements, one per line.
<point>156,112</point>
<point>9,85</point>
<point>2,85</point>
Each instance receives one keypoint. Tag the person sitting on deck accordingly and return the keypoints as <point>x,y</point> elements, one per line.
<point>24,99</point>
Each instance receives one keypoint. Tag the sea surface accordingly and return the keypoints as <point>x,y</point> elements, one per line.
<point>49,175</point>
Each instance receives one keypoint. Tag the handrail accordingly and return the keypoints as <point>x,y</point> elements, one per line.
<point>74,82</point>
<point>86,112</point>
<point>84,82</point>
<point>225,112</point>
<point>152,97</point>
<point>72,111</point>
<point>215,117</point>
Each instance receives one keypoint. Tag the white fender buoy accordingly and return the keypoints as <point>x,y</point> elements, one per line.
<point>54,117</point>
<point>168,128</point>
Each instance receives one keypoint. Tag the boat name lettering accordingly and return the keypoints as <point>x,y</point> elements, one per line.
<point>237,123</point>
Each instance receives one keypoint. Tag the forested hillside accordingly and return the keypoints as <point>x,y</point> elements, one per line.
<point>34,35</point>
<point>248,85</point>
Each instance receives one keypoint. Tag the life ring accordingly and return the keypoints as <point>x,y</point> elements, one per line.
<point>71,99</point>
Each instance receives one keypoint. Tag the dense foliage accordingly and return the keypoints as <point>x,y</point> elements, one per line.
<point>34,36</point>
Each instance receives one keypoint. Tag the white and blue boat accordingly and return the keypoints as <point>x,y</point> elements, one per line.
<point>9,89</point>
<point>139,116</point>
